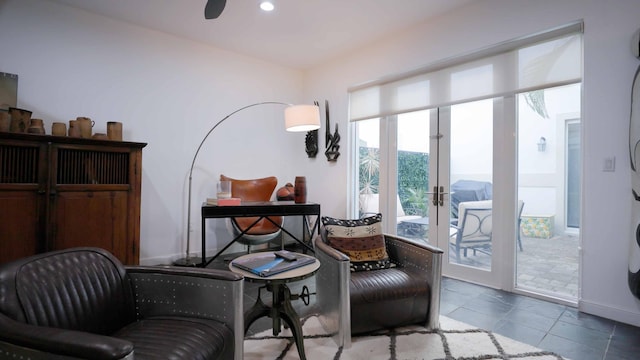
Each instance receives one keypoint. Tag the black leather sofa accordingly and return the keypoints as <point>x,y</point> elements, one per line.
<point>82,303</point>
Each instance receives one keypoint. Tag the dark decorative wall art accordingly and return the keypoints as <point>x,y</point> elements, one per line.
<point>311,140</point>
<point>331,141</point>
<point>311,143</point>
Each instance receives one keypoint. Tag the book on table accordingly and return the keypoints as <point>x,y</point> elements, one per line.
<point>269,264</point>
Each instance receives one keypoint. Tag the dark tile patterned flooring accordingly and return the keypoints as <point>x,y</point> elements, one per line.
<point>548,326</point>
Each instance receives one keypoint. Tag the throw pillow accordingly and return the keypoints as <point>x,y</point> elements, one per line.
<point>361,240</point>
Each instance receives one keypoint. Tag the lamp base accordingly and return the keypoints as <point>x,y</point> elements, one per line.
<point>189,261</point>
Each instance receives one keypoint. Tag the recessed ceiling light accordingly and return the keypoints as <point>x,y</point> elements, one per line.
<point>267,6</point>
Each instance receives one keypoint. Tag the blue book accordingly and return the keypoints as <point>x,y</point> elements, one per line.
<point>269,264</point>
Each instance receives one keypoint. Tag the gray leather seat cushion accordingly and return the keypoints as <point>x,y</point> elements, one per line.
<point>386,299</point>
<point>155,338</point>
<point>383,285</point>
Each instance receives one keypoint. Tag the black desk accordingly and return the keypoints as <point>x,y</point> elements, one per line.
<point>263,209</point>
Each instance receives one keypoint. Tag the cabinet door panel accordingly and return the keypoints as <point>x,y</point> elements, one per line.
<point>92,218</point>
<point>19,224</point>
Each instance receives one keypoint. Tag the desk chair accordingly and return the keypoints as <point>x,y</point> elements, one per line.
<point>254,190</point>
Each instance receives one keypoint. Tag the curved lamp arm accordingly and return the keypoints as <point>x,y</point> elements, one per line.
<point>187,261</point>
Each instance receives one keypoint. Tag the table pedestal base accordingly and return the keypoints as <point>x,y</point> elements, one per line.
<point>281,309</point>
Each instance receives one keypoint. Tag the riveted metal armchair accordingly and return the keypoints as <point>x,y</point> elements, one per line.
<point>82,303</point>
<point>359,302</point>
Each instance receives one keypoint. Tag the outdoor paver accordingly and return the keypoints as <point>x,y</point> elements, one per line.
<point>547,265</point>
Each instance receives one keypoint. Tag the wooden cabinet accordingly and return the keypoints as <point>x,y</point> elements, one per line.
<point>60,192</point>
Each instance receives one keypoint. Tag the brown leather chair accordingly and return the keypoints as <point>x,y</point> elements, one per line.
<point>255,190</point>
<point>364,301</point>
<point>82,303</point>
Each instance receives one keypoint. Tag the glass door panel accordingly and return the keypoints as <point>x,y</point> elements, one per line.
<point>368,160</point>
<point>412,158</point>
<point>470,185</point>
<point>549,187</point>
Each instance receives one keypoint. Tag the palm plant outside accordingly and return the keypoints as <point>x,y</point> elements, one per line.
<point>369,170</point>
<point>412,178</point>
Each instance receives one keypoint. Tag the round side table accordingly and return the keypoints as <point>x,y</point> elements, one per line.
<point>281,304</point>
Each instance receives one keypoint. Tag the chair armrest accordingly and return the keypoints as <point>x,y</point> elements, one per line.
<point>26,341</point>
<point>195,292</point>
<point>332,289</point>
<point>425,261</point>
<point>329,251</point>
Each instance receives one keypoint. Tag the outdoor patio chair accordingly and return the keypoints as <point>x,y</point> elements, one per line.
<point>475,228</point>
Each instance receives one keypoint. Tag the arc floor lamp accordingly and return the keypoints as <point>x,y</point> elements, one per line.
<point>297,118</point>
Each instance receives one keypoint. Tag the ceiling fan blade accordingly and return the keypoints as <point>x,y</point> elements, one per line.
<point>214,8</point>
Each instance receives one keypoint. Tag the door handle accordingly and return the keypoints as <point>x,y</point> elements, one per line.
<point>435,195</point>
<point>438,195</point>
<point>442,194</point>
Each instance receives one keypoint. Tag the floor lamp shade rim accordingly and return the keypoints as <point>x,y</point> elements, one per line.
<point>302,118</point>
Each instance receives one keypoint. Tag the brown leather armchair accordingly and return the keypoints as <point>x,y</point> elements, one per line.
<point>255,190</point>
<point>359,302</point>
<point>82,303</point>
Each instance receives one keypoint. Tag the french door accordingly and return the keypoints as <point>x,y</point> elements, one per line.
<point>479,181</point>
<point>438,184</point>
<point>480,155</point>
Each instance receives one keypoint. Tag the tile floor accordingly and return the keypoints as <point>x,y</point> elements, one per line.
<point>549,326</point>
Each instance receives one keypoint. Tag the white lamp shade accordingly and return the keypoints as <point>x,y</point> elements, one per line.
<point>302,118</point>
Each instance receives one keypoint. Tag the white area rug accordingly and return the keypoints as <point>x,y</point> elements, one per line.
<point>455,340</point>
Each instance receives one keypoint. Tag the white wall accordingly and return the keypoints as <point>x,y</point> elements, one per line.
<point>608,71</point>
<point>167,92</point>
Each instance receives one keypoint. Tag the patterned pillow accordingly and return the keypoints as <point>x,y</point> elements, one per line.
<point>360,239</point>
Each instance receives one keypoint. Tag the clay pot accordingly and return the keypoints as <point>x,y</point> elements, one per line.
<point>20,120</point>
<point>5,121</point>
<point>74,128</point>
<point>59,129</point>
<point>286,193</point>
<point>85,124</point>
<point>36,127</point>
<point>300,188</point>
<point>114,130</point>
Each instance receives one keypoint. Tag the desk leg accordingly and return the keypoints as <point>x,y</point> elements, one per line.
<point>309,230</point>
<point>305,232</point>
<point>204,241</point>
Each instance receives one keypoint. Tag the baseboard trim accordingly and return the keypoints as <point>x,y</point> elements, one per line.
<point>619,315</point>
